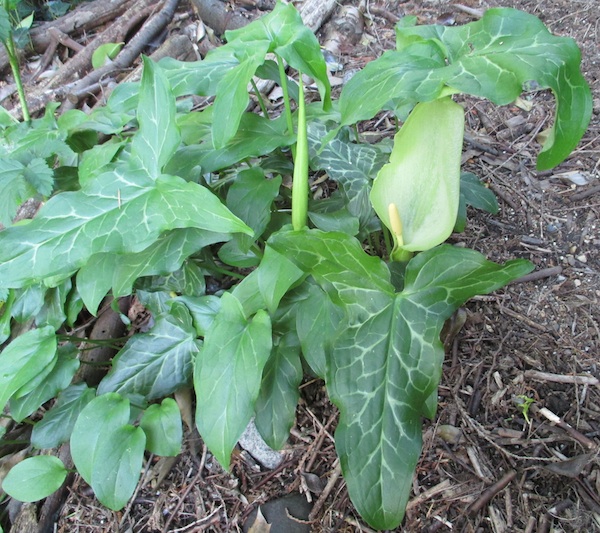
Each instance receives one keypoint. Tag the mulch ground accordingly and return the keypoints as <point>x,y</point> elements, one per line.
<point>490,461</point>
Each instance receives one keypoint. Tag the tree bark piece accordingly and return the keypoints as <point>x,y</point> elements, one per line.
<point>116,32</point>
<point>85,17</point>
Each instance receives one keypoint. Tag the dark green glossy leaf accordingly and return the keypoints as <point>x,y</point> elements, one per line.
<point>279,392</point>
<point>57,424</point>
<point>162,425</point>
<point>232,95</point>
<point>256,136</point>
<point>107,450</point>
<point>157,363</point>
<point>476,194</point>
<point>353,166</point>
<point>119,271</point>
<point>318,320</point>
<point>385,362</point>
<point>228,373</point>
<point>250,198</point>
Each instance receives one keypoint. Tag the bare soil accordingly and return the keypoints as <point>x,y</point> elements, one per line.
<point>487,463</point>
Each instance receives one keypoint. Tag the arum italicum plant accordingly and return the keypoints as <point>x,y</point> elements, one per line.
<point>185,196</point>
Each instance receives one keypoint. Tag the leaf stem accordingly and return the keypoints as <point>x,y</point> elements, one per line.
<point>261,101</point>
<point>13,60</point>
<point>300,179</point>
<point>286,94</point>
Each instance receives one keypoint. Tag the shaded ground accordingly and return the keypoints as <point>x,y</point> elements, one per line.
<point>531,339</point>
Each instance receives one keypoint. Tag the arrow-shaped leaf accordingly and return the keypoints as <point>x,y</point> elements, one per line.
<point>385,363</point>
<point>121,211</point>
<point>228,373</point>
<point>496,57</point>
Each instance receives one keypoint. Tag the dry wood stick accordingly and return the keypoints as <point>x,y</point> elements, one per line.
<point>490,492</point>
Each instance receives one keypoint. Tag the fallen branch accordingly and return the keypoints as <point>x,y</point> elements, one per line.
<point>84,18</point>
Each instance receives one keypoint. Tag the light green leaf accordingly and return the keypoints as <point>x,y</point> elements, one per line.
<point>34,478</point>
<point>275,275</point>
<point>107,451</point>
<point>119,271</point>
<point>158,137</point>
<point>163,429</point>
<point>232,95</point>
<point>157,363</point>
<point>495,57</point>
<point>227,375</point>
<point>279,392</point>
<point>416,194</point>
<point>104,53</point>
<point>29,357</point>
<point>57,424</point>
<point>58,379</point>
<point>121,211</point>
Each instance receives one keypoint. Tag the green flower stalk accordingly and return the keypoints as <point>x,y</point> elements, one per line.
<point>300,178</point>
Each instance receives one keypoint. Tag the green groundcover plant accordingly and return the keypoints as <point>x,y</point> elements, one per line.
<point>148,196</point>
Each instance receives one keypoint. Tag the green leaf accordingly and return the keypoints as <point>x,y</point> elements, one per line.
<point>353,166</point>
<point>121,211</point>
<point>476,194</point>
<point>317,322</point>
<point>227,375</point>
<point>104,271</point>
<point>203,309</point>
<point>279,392</point>
<point>14,189</point>
<point>232,95</point>
<point>199,77</point>
<point>107,451</point>
<point>275,275</point>
<point>6,310</point>
<point>57,424</point>
<point>104,53</point>
<point>34,478</point>
<point>416,194</point>
<point>288,37</point>
<point>157,363</point>
<point>29,357</point>
<point>5,27</point>
<point>58,379</point>
<point>250,198</point>
<point>385,362</point>
<point>163,429</point>
<point>158,137</point>
<point>256,136</point>
<point>494,57</point>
